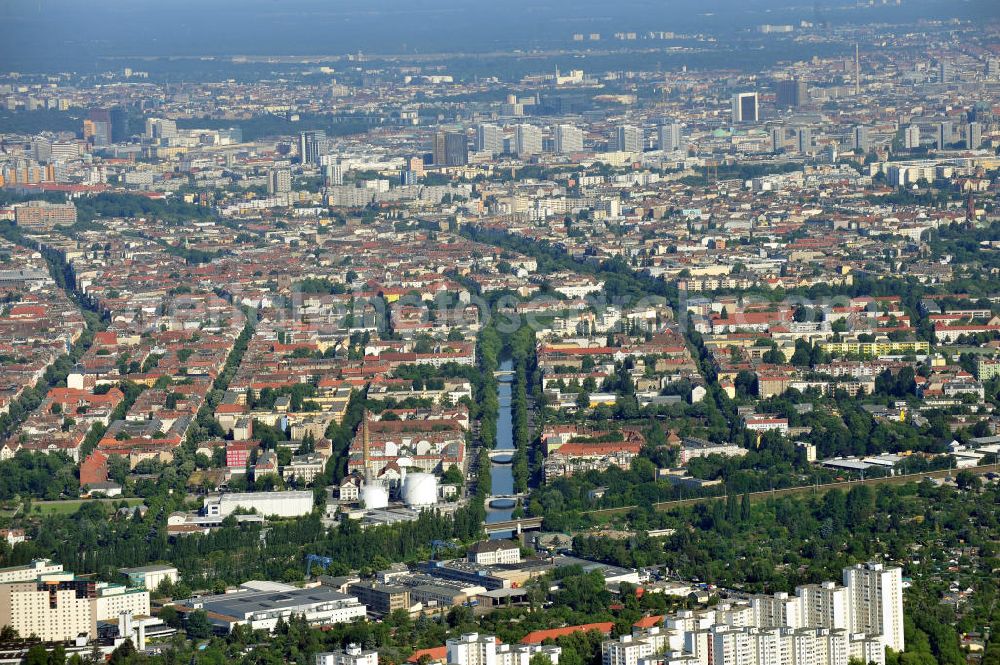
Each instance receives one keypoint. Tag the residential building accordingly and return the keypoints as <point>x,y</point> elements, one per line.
<point>944,135</point>
<point>352,654</point>
<point>987,368</point>
<point>527,140</point>
<point>61,608</point>
<point>568,139</point>
<point>42,215</point>
<point>628,138</point>
<point>861,142</point>
<point>279,181</point>
<point>824,605</point>
<point>489,139</point>
<point>973,135</point>
<point>875,596</point>
<point>472,649</point>
<point>804,136</point>
<point>777,610</point>
<point>670,136</point>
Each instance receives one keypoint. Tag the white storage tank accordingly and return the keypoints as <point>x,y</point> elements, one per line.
<point>374,496</point>
<point>420,489</point>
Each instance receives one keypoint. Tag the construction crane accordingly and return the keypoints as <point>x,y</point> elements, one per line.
<point>316,558</point>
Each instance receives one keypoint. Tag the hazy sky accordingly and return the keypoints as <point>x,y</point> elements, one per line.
<point>67,32</point>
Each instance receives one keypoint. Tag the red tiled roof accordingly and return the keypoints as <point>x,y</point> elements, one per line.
<point>649,622</point>
<point>539,636</point>
<point>434,653</point>
<point>591,449</point>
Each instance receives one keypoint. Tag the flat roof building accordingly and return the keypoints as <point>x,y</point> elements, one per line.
<point>261,609</point>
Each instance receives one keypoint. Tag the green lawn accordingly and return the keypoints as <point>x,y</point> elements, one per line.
<point>70,506</point>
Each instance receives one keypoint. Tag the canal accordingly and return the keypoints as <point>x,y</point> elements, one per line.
<point>502,473</point>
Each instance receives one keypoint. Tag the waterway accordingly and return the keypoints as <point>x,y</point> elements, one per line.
<point>502,475</point>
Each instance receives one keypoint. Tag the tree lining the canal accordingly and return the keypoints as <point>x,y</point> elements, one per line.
<point>521,348</point>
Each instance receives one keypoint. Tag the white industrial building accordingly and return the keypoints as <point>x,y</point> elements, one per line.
<point>279,504</point>
<point>261,608</point>
<point>150,577</point>
<point>495,552</point>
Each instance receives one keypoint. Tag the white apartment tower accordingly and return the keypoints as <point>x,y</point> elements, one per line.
<point>527,140</point>
<point>776,611</point>
<point>626,650</point>
<point>824,605</point>
<point>944,136</point>
<point>804,135</point>
<point>628,138</point>
<point>279,181</point>
<point>161,128</point>
<point>489,139</point>
<point>669,137</point>
<point>861,143</point>
<point>568,139</point>
<point>352,655</point>
<point>876,602</point>
<point>731,646</point>
<point>472,649</point>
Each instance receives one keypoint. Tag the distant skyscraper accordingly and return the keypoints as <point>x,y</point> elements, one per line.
<point>861,143</point>
<point>489,139</point>
<point>911,137</point>
<point>669,136</point>
<point>160,128</point>
<point>993,68</point>
<point>527,140</point>
<point>777,138</point>
<point>945,72</point>
<point>311,146</point>
<point>943,135</point>
<point>745,108</point>
<point>629,138</point>
<point>974,135</point>
<point>100,127</point>
<point>120,130</point>
<point>450,149</point>
<point>804,135</point>
<point>568,139</point>
<point>279,181</point>
<point>791,93</point>
<point>333,174</point>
